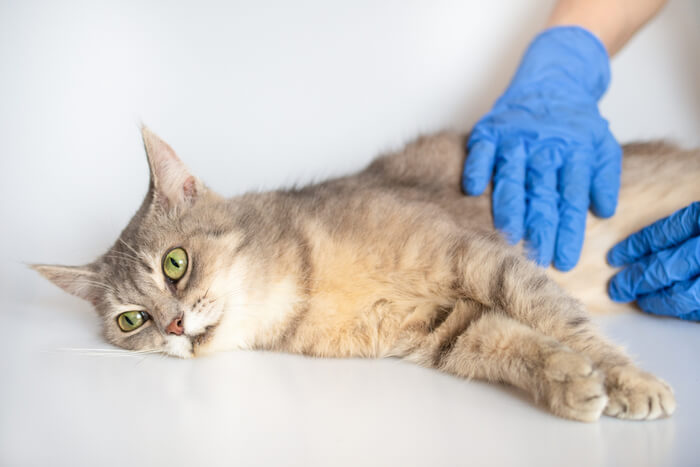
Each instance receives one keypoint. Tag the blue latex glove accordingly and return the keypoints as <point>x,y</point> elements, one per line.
<point>663,266</point>
<point>552,151</point>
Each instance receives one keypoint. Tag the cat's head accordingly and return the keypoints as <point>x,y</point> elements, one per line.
<point>163,285</point>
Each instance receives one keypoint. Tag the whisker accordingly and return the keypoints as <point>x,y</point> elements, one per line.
<point>123,258</point>
<point>99,354</point>
<point>138,255</point>
<point>99,286</point>
<point>125,254</point>
<point>91,282</point>
<point>72,349</point>
<point>108,352</point>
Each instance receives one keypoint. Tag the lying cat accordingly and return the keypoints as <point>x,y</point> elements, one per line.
<point>392,261</point>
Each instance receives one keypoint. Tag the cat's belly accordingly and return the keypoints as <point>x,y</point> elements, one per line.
<point>640,204</point>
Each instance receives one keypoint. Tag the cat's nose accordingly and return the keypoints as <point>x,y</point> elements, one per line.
<point>175,327</point>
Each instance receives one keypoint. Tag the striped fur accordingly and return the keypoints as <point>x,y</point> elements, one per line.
<point>392,261</point>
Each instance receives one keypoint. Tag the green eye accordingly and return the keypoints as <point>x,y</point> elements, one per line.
<point>130,320</point>
<point>175,264</point>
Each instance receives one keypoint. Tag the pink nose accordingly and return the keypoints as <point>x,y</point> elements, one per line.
<point>175,327</point>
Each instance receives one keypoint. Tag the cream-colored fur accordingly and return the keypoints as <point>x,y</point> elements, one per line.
<point>657,179</point>
<point>392,261</point>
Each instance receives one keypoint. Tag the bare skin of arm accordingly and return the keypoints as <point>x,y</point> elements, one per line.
<point>614,22</point>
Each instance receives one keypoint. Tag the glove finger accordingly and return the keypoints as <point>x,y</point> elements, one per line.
<point>574,188</point>
<point>681,300</point>
<point>657,272</point>
<point>662,234</point>
<point>542,199</point>
<point>479,164</point>
<point>605,186</point>
<point>509,189</point>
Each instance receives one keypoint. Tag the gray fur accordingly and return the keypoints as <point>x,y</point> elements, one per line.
<point>394,260</point>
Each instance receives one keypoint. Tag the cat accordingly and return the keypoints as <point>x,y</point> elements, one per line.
<point>393,261</point>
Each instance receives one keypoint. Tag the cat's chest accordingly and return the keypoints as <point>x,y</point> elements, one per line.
<point>252,319</point>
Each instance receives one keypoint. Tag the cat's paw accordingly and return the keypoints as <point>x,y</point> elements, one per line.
<point>575,389</point>
<point>636,395</point>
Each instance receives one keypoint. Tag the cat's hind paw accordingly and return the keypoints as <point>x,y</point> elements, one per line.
<point>575,389</point>
<point>636,395</point>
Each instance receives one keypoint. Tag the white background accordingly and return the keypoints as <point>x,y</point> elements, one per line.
<point>255,95</point>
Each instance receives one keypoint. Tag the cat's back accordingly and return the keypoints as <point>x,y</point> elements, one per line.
<point>422,178</point>
<point>412,197</point>
<point>401,212</point>
<point>407,187</point>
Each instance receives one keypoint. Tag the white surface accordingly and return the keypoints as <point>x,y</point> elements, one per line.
<point>257,95</point>
<point>63,408</point>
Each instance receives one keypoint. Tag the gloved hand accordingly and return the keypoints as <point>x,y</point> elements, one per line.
<point>552,151</point>
<point>663,266</point>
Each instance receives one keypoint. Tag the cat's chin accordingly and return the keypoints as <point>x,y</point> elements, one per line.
<point>189,346</point>
<point>179,346</point>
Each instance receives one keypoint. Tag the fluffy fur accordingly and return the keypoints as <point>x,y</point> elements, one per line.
<point>392,261</point>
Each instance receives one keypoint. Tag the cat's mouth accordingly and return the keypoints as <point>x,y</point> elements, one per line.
<point>203,338</point>
<point>188,346</point>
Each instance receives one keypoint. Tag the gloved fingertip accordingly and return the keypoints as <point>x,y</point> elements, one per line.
<point>605,187</point>
<point>540,259</point>
<point>564,265</point>
<point>539,246</point>
<point>478,166</point>
<point>570,237</point>
<point>616,293</point>
<point>568,250</point>
<point>512,236</point>
<point>604,205</point>
<point>614,259</point>
<point>613,292</point>
<point>510,228</point>
<point>509,222</point>
<point>473,185</point>
<point>604,211</point>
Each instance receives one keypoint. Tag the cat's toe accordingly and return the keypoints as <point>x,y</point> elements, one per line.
<point>575,389</point>
<point>636,395</point>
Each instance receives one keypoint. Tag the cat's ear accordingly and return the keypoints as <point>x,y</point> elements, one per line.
<point>172,184</point>
<point>76,280</point>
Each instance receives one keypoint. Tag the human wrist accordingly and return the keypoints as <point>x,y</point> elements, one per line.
<point>569,55</point>
<point>614,22</point>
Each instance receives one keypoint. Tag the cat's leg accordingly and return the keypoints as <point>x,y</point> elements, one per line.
<point>474,341</point>
<point>500,278</point>
<point>632,393</point>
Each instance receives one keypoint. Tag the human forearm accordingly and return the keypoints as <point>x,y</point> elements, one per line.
<point>614,22</point>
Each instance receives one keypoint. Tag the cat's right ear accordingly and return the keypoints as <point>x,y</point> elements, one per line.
<point>76,280</point>
<point>172,184</point>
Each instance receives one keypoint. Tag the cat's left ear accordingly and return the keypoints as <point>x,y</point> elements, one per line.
<point>172,184</point>
<point>76,280</point>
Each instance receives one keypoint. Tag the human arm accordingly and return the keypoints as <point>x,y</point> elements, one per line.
<point>614,22</point>
<point>549,149</point>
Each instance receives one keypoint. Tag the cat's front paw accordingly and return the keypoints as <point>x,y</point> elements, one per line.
<point>575,389</point>
<point>636,395</point>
